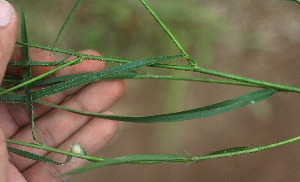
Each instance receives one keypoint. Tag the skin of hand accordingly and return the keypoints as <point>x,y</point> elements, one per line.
<point>55,128</point>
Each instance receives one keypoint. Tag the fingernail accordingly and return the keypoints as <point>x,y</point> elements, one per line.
<point>5,13</point>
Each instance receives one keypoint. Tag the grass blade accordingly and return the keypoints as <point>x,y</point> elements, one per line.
<point>31,156</point>
<point>12,98</point>
<point>65,22</point>
<point>79,80</point>
<point>36,63</point>
<point>205,111</point>
<point>191,62</point>
<point>48,81</point>
<point>27,75</point>
<point>54,80</point>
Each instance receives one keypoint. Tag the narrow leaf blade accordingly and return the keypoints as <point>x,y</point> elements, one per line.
<point>96,76</point>
<point>205,111</point>
<point>31,156</point>
<point>27,74</point>
<point>54,80</point>
<point>66,21</point>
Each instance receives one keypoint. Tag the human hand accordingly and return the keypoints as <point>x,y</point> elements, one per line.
<point>55,128</point>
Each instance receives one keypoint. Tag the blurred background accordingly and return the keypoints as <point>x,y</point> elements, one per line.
<point>251,38</point>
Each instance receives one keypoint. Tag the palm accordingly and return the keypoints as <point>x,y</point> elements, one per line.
<point>57,128</point>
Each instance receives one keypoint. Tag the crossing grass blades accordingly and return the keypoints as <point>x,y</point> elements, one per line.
<point>126,70</point>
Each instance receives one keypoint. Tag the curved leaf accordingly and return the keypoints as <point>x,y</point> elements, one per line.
<point>205,111</point>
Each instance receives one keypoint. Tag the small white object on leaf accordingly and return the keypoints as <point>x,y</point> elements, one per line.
<point>78,149</point>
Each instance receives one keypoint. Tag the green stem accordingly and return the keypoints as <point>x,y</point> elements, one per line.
<point>229,154</point>
<point>163,77</point>
<point>252,150</point>
<point>191,62</point>
<point>279,87</point>
<point>74,53</point>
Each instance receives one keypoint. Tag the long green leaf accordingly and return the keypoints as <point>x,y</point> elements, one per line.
<point>65,22</point>
<point>35,63</point>
<point>27,74</point>
<point>15,98</point>
<point>139,158</point>
<point>79,80</point>
<point>31,156</point>
<point>54,80</point>
<point>205,111</point>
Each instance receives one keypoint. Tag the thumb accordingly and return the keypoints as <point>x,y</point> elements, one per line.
<point>8,34</point>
